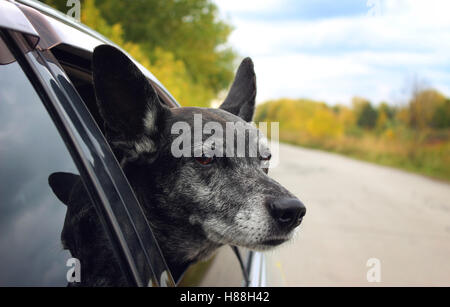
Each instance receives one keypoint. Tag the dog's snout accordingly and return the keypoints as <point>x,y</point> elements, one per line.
<point>287,212</point>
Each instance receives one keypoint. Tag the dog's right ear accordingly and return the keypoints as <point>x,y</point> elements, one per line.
<point>240,100</point>
<point>127,101</point>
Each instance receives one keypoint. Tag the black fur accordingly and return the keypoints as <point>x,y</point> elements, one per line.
<point>83,234</point>
<point>241,98</point>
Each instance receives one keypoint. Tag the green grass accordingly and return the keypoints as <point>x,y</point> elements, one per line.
<point>431,160</point>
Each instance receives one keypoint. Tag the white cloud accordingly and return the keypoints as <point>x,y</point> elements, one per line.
<point>333,59</point>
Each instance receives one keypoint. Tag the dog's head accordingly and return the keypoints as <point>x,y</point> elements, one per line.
<point>199,198</point>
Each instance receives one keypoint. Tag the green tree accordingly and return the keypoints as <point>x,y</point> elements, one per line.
<point>366,114</point>
<point>190,29</point>
<point>387,109</point>
<point>423,106</point>
<point>183,42</point>
<point>60,5</point>
<point>385,116</point>
<point>441,116</point>
<point>368,117</point>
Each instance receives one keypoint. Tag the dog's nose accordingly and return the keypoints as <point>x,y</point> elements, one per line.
<point>288,212</point>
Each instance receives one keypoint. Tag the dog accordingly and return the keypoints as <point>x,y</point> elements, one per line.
<point>194,204</point>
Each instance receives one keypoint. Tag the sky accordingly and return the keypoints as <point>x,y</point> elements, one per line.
<point>333,50</point>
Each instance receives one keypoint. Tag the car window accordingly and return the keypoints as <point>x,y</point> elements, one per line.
<point>31,216</point>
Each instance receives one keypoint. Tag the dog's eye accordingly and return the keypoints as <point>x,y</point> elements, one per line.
<point>265,163</point>
<point>204,160</point>
<point>265,158</point>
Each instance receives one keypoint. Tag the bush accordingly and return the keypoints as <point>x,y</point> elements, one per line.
<point>367,117</point>
<point>441,117</point>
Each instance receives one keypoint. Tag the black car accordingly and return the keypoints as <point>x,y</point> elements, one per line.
<point>49,123</point>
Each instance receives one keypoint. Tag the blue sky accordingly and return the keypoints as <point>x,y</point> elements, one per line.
<point>301,9</point>
<point>333,50</point>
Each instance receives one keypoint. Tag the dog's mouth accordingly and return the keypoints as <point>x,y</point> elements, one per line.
<point>273,242</point>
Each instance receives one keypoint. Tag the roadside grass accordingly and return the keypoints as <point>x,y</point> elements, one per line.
<point>430,158</point>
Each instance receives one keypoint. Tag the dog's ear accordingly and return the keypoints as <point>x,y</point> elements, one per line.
<point>62,185</point>
<point>241,98</point>
<point>127,101</point>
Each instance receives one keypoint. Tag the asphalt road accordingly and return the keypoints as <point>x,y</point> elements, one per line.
<point>355,211</point>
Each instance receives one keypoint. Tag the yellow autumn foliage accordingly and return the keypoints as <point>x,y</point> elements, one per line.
<point>169,71</point>
<point>391,141</point>
<point>314,119</point>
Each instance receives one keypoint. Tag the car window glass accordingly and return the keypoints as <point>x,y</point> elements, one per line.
<point>31,216</point>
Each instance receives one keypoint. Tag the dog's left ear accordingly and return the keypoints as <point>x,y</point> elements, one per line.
<point>62,185</point>
<point>241,98</point>
<point>127,101</point>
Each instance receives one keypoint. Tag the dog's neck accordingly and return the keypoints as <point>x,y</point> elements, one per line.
<point>179,246</point>
<point>86,239</point>
<point>99,265</point>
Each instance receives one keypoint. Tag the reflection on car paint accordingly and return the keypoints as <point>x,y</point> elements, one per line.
<point>31,217</point>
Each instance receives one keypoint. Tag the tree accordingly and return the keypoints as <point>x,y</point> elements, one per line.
<point>366,115</point>
<point>387,109</point>
<point>182,42</point>
<point>385,115</point>
<point>441,116</point>
<point>190,29</point>
<point>423,106</point>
